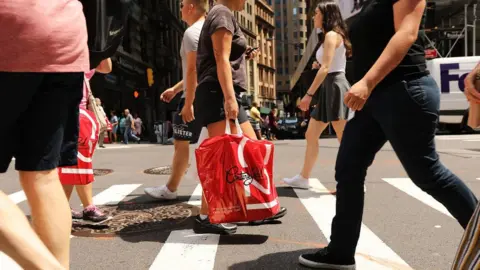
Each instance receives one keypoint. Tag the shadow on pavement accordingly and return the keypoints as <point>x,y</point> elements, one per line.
<point>280,260</point>
<point>289,192</point>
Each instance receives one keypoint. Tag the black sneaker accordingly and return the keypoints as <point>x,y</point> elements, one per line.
<point>281,213</point>
<point>204,226</point>
<point>324,260</point>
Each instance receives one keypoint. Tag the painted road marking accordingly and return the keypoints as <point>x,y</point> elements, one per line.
<point>372,252</point>
<point>196,198</point>
<point>107,147</point>
<point>18,197</point>
<point>186,250</point>
<point>458,137</point>
<point>114,194</point>
<point>406,185</point>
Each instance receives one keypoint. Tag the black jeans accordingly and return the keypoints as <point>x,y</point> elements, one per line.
<point>406,115</point>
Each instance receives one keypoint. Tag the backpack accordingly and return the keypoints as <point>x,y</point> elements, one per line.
<point>106,22</point>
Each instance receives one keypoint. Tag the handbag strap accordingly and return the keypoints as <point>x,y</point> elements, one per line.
<point>87,82</point>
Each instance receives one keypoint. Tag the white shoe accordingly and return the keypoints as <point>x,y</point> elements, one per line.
<point>297,181</point>
<point>161,193</point>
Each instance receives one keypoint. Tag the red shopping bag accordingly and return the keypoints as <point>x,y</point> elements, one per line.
<point>236,177</point>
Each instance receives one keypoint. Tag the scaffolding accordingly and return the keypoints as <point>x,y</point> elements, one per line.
<point>450,34</point>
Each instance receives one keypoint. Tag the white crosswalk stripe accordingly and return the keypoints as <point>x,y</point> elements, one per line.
<point>184,249</point>
<point>466,138</point>
<point>114,194</point>
<point>321,206</point>
<point>18,197</point>
<point>406,185</point>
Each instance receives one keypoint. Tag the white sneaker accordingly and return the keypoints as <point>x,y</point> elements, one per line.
<point>161,193</point>
<point>297,181</point>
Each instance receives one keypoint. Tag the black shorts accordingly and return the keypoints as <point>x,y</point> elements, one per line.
<point>41,118</point>
<point>184,131</point>
<point>209,105</point>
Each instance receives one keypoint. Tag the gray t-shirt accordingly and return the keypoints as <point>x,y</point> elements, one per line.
<point>221,17</point>
<point>189,44</point>
<point>128,121</point>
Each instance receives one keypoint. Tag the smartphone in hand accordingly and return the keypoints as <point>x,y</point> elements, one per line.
<point>250,50</point>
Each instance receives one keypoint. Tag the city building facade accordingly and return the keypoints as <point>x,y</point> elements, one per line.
<point>152,41</point>
<point>265,23</point>
<point>246,20</point>
<point>291,37</point>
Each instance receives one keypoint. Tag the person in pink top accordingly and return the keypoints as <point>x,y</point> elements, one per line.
<point>43,59</point>
<point>81,175</point>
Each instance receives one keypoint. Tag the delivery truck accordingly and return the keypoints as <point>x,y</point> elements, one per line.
<point>449,73</point>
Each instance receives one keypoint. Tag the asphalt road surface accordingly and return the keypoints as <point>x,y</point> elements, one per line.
<point>403,228</point>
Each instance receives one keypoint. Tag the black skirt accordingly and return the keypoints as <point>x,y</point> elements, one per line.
<point>330,106</point>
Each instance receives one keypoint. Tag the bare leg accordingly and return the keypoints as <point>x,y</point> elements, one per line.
<point>179,164</point>
<point>68,189</point>
<point>51,216</point>
<point>339,126</point>
<point>19,241</point>
<point>85,194</point>
<point>314,130</point>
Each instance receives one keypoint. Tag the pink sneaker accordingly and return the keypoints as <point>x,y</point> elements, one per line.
<point>92,213</point>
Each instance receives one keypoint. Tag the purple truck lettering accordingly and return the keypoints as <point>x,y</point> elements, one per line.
<point>446,77</point>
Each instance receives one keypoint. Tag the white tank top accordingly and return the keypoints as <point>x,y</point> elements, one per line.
<point>339,60</point>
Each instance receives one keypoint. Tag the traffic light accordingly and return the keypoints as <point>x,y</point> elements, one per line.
<point>150,76</point>
<point>135,94</point>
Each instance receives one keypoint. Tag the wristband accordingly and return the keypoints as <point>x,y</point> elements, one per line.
<point>310,95</point>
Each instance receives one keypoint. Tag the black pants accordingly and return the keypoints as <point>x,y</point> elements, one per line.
<point>40,125</point>
<point>406,115</point>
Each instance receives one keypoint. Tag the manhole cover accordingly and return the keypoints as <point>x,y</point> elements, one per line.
<point>163,170</point>
<point>128,219</point>
<point>101,172</point>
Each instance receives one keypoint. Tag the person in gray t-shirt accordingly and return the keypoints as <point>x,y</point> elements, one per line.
<point>129,128</point>
<point>185,128</point>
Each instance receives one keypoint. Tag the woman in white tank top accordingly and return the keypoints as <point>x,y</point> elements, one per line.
<point>330,81</point>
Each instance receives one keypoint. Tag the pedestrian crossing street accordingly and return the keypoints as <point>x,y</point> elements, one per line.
<point>185,250</point>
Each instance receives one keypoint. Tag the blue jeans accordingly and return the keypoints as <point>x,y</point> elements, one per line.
<point>128,133</point>
<point>405,114</point>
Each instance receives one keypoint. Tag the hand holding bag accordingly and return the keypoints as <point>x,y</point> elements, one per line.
<point>236,176</point>
<point>474,110</point>
<point>97,110</point>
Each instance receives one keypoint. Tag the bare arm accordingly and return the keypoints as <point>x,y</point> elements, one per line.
<point>222,43</point>
<point>329,46</point>
<point>105,66</point>
<point>407,18</point>
<point>191,79</point>
<point>178,87</point>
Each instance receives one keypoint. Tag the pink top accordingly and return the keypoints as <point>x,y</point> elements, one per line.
<point>43,36</point>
